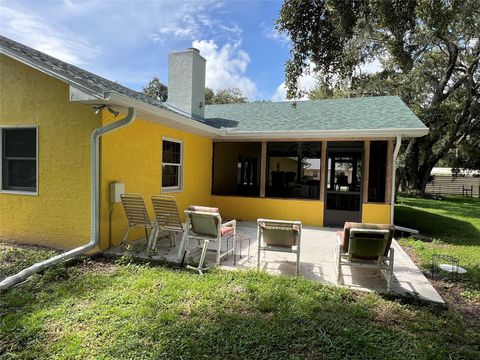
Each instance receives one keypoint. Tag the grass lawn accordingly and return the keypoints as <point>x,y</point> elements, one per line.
<point>454,224</point>
<point>99,309</point>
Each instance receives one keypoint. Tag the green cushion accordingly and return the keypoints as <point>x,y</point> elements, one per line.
<point>204,224</point>
<point>367,245</point>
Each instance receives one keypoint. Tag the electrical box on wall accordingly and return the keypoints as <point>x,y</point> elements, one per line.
<point>116,188</point>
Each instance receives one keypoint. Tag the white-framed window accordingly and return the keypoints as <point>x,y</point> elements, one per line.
<point>19,159</point>
<point>172,164</point>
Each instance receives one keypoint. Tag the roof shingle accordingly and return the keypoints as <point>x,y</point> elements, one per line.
<point>381,112</point>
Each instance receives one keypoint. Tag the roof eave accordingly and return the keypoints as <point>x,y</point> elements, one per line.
<point>89,94</point>
<point>92,91</point>
<point>327,134</point>
<point>150,112</point>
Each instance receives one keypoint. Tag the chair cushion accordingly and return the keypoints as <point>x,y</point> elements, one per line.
<point>226,230</point>
<point>280,235</point>
<point>203,209</point>
<point>345,234</point>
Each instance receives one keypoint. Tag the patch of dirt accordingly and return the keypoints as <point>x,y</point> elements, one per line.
<point>451,293</point>
<point>99,265</point>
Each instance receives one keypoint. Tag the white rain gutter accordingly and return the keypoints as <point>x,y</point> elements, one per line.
<point>395,154</point>
<point>95,185</point>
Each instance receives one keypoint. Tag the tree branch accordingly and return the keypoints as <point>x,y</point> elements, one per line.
<point>452,48</point>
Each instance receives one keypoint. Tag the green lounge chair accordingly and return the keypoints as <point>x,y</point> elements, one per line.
<point>365,246</point>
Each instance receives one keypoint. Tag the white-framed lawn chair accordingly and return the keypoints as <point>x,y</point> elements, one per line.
<point>137,215</point>
<point>204,224</point>
<point>279,236</point>
<point>365,246</point>
<point>167,218</point>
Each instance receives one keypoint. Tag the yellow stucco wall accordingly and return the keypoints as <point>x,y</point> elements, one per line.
<point>59,216</point>
<point>376,213</point>
<point>133,155</point>
<point>309,212</point>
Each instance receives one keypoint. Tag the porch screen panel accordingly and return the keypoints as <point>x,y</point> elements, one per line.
<point>293,169</point>
<point>236,168</point>
<point>377,174</point>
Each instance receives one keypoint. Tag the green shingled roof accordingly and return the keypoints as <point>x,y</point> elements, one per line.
<point>381,112</point>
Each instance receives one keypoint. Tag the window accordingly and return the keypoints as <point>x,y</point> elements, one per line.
<point>172,164</point>
<point>19,159</point>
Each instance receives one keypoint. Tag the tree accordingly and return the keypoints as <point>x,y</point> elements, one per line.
<point>224,96</point>
<point>429,50</point>
<point>156,89</point>
<point>159,91</point>
<point>209,94</point>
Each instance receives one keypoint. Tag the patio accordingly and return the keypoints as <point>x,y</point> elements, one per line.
<point>317,262</point>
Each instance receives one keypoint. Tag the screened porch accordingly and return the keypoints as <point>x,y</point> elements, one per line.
<point>343,175</point>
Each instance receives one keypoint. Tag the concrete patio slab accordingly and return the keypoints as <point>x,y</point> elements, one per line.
<point>316,257</point>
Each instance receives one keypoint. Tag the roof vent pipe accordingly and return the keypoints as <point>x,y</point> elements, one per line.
<point>95,194</point>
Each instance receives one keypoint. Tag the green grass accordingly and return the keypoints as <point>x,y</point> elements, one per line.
<point>102,310</point>
<point>454,224</point>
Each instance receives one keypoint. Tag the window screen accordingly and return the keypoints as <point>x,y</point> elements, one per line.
<point>19,159</point>
<point>377,173</point>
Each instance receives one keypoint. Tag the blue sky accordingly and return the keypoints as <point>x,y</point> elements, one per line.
<point>129,41</point>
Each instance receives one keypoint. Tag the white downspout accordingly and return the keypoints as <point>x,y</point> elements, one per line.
<point>95,192</point>
<point>395,154</point>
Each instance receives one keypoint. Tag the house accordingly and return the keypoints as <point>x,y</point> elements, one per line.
<point>322,162</point>
<point>445,182</point>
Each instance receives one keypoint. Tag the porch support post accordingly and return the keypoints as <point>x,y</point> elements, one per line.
<point>366,167</point>
<point>263,169</point>
<point>323,171</point>
<point>389,171</point>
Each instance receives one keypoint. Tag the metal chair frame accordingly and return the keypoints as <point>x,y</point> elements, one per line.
<point>282,225</point>
<point>137,215</point>
<point>167,218</point>
<point>189,234</point>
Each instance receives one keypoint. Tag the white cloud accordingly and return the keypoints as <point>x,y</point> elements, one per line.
<point>192,21</point>
<point>36,31</point>
<point>271,33</point>
<point>306,82</point>
<point>370,67</point>
<point>226,66</point>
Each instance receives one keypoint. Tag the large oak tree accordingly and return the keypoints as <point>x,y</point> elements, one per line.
<point>429,50</point>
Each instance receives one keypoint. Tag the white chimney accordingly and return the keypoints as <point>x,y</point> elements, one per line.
<point>186,81</point>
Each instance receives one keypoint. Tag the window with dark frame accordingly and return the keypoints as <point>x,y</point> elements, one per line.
<point>19,159</point>
<point>172,166</point>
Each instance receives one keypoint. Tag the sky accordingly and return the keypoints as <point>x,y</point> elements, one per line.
<point>129,41</point>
